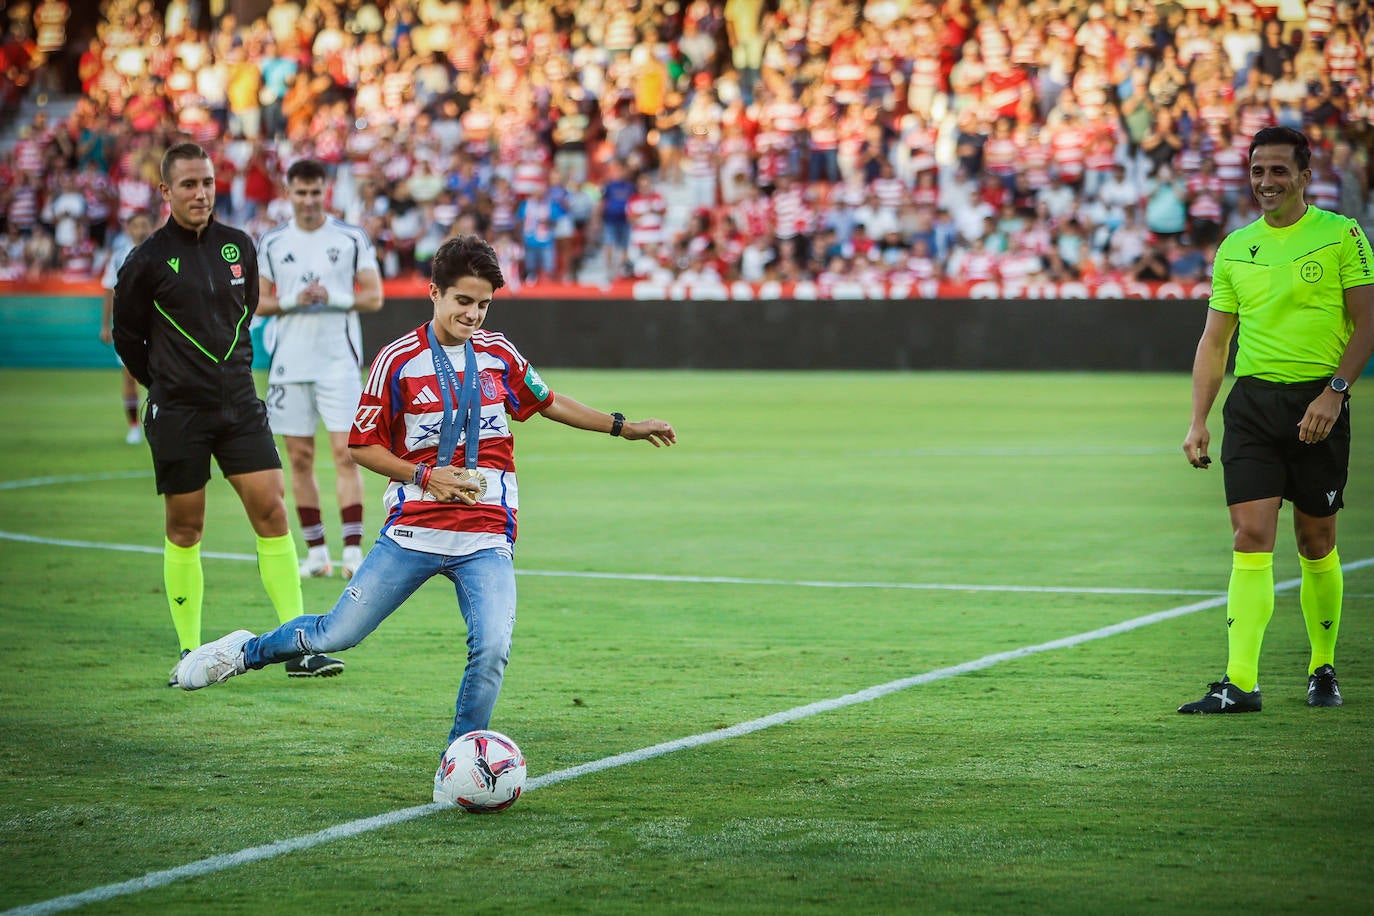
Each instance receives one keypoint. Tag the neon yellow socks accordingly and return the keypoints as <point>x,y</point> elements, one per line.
<point>281,575</point>
<point>1323,588</point>
<point>1249,605</point>
<point>184,581</point>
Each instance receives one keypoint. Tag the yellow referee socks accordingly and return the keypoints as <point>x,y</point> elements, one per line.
<point>184,580</point>
<point>1323,588</point>
<point>281,575</point>
<point>1249,605</point>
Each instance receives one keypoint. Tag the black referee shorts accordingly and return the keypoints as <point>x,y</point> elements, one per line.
<point>183,439</point>
<point>1262,456</point>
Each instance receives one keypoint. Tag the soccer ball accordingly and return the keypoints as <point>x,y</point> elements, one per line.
<point>481,771</point>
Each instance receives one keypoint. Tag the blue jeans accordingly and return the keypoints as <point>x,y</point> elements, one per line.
<point>389,574</point>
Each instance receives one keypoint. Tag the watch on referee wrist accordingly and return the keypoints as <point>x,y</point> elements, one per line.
<point>617,423</point>
<point>1338,385</point>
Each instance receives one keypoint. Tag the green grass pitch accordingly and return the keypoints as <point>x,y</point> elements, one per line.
<point>812,535</point>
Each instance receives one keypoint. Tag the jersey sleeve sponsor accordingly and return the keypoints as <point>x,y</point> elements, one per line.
<point>1356,266</point>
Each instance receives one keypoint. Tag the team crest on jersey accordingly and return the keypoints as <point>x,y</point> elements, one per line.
<point>366,421</point>
<point>236,270</point>
<point>333,255</point>
<point>489,390</point>
<point>1310,271</point>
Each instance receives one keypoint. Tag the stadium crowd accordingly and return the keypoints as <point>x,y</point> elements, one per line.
<point>723,139</point>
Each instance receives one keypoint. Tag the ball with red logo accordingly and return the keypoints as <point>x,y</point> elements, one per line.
<point>481,772</point>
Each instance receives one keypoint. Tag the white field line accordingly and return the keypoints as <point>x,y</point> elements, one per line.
<point>364,825</point>
<point>651,577</point>
<point>697,580</point>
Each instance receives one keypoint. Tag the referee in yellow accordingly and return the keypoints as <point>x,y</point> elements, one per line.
<point>1298,285</point>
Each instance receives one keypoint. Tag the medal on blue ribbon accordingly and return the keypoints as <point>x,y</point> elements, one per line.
<point>462,400</point>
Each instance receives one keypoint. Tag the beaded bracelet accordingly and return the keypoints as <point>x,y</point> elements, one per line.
<point>421,476</point>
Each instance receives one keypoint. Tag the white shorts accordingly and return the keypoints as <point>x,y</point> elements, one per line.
<point>296,409</point>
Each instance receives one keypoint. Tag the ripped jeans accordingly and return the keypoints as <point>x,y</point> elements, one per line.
<point>389,574</point>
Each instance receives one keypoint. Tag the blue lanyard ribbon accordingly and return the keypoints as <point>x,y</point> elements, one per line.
<point>462,403</point>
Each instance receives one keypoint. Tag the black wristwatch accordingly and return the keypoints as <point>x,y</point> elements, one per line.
<point>1338,385</point>
<point>617,423</point>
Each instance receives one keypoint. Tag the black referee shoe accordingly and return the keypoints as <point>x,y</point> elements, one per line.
<point>314,666</point>
<point>1223,696</point>
<point>1322,689</point>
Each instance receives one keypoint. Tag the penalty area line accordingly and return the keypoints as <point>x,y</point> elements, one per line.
<point>226,861</point>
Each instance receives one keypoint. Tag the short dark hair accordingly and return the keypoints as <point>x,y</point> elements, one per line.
<point>1284,136</point>
<point>306,170</point>
<point>180,151</point>
<point>465,256</point>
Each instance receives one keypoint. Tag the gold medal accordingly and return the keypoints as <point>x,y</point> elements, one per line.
<point>476,477</point>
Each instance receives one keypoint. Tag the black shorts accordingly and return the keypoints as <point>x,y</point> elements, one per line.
<point>182,439</point>
<point>1262,456</point>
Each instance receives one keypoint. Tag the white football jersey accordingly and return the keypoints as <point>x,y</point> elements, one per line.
<point>309,345</point>
<point>120,249</point>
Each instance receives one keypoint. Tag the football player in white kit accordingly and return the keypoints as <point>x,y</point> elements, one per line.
<point>316,274</point>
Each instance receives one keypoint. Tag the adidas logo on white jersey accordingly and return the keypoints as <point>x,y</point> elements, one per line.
<point>426,396</point>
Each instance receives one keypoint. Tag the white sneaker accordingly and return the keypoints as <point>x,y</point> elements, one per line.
<point>213,663</point>
<point>316,563</point>
<point>352,559</point>
<point>134,435</point>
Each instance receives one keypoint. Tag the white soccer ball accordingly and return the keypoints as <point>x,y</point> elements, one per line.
<point>481,771</point>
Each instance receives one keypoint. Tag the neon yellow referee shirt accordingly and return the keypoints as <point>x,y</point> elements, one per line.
<point>1287,288</point>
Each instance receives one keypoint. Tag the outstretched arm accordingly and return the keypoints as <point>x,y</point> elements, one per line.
<point>572,413</point>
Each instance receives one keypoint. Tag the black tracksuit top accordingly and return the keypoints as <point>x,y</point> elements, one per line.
<point>182,305</point>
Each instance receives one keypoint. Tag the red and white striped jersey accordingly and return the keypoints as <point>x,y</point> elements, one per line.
<point>1000,155</point>
<point>789,213</point>
<point>1069,145</point>
<point>1035,162</point>
<point>1002,90</point>
<point>1233,167</point>
<point>134,195</point>
<point>823,131</point>
<point>890,193</point>
<point>1202,183</point>
<point>531,174</point>
<point>1320,15</point>
<point>925,74</point>
<point>978,265</point>
<point>401,409</point>
<point>787,116</point>
<point>1343,61</point>
<point>27,156</point>
<point>1206,206</point>
<point>755,214</point>
<point>645,212</point>
<point>1325,191</point>
<point>1254,117</point>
